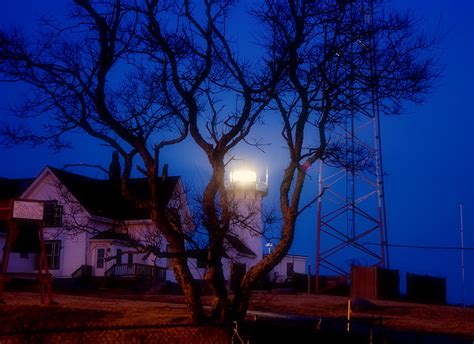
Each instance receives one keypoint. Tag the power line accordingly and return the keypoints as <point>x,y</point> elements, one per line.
<point>422,246</point>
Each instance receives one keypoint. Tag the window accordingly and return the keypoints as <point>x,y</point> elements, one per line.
<point>53,214</point>
<point>100,258</point>
<point>53,251</point>
<point>118,256</point>
<point>290,268</point>
<point>130,259</point>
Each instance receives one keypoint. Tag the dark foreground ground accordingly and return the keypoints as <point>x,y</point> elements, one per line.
<point>129,318</point>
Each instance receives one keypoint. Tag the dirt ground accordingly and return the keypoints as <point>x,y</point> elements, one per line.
<point>104,309</point>
<point>396,315</point>
<point>22,311</point>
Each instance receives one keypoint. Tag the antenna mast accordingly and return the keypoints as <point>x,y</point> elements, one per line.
<point>352,207</point>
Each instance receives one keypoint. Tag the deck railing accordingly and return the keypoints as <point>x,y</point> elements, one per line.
<point>137,270</point>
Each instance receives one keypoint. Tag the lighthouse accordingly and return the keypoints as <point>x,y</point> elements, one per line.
<point>245,192</point>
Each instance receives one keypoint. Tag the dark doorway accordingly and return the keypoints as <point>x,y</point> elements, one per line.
<point>237,274</point>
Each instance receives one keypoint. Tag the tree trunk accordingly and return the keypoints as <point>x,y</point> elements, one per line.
<point>241,301</point>
<point>173,234</point>
<point>216,281</point>
<point>217,226</point>
<point>191,292</point>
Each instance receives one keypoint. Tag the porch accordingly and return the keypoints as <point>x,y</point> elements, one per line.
<point>151,272</point>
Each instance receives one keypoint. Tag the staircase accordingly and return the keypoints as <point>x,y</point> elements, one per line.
<point>84,271</point>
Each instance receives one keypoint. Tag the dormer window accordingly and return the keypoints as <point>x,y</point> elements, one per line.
<point>53,214</point>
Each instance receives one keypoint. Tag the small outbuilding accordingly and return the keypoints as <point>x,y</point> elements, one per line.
<point>374,283</point>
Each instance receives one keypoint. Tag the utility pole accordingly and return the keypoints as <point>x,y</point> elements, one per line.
<point>461,215</point>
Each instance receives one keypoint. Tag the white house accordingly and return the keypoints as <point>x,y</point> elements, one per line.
<point>89,225</point>
<point>289,265</point>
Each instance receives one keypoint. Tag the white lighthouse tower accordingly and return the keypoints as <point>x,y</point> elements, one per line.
<point>245,192</point>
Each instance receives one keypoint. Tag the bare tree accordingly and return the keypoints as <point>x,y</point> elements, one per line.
<point>91,75</point>
<point>224,98</point>
<point>343,59</point>
<point>137,76</point>
<point>141,76</point>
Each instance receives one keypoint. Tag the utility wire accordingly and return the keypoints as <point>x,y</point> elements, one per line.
<point>422,247</point>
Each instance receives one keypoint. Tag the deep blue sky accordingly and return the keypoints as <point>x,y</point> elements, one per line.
<point>427,151</point>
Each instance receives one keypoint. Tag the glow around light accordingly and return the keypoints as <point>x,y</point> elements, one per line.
<point>243,176</point>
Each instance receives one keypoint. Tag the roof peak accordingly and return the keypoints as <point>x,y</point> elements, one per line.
<point>56,170</point>
<point>101,198</point>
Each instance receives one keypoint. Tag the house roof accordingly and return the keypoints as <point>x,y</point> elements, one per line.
<point>111,235</point>
<point>239,246</point>
<point>13,188</point>
<point>101,197</point>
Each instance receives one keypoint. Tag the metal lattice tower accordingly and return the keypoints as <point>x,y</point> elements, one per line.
<point>351,207</point>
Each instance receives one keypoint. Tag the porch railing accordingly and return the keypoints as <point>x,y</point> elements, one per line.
<point>137,270</point>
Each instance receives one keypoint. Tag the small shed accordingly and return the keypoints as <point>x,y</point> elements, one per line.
<point>374,283</point>
<point>426,289</point>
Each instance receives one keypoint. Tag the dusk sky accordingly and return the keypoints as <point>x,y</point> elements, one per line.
<point>427,150</point>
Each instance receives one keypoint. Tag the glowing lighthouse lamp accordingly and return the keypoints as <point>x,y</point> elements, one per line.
<point>243,177</point>
<point>246,179</point>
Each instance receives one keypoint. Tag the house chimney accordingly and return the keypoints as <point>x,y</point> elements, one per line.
<point>164,173</point>
<point>114,168</point>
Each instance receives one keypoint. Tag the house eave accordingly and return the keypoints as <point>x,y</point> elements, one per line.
<point>25,194</point>
<point>102,219</point>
